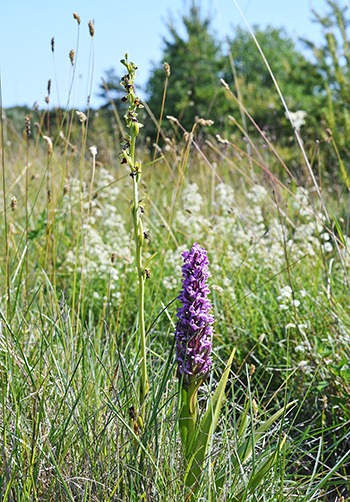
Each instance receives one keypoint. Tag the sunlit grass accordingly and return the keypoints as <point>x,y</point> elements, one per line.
<point>69,360</point>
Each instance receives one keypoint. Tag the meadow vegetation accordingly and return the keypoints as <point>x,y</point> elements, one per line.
<point>269,204</point>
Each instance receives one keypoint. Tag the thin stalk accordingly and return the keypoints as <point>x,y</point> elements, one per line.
<point>7,257</point>
<point>167,73</point>
<point>79,229</point>
<point>86,237</point>
<point>27,222</point>
<point>128,157</point>
<point>141,279</point>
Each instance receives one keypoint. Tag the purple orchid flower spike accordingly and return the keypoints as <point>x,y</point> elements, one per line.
<point>194,332</point>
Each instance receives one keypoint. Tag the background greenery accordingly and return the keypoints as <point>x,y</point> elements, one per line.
<point>279,257</point>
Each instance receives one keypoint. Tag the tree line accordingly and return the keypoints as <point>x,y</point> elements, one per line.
<point>315,80</point>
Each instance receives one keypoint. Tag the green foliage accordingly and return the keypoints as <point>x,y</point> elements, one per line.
<point>197,445</point>
<point>69,364</point>
<point>295,75</point>
<point>333,71</point>
<point>196,62</point>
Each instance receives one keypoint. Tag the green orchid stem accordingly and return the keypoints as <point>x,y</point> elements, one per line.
<point>188,417</point>
<point>138,234</point>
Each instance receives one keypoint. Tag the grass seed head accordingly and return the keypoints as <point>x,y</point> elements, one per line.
<point>49,87</point>
<point>167,69</point>
<point>71,56</point>
<point>75,15</point>
<point>13,203</point>
<point>53,44</point>
<point>49,143</point>
<point>91,28</point>
<point>261,338</point>
<point>204,122</point>
<point>27,122</point>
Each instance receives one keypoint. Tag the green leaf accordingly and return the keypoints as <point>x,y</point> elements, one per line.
<point>244,422</point>
<point>70,496</point>
<point>149,260</point>
<point>257,478</point>
<point>207,426</point>
<point>245,450</point>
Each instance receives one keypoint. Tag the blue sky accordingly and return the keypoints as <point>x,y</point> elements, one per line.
<point>27,63</point>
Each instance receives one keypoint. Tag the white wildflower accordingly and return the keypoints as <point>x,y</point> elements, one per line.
<point>327,247</point>
<point>297,118</point>
<point>93,151</point>
<point>82,116</point>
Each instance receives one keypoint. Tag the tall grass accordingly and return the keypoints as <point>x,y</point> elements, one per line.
<point>68,362</point>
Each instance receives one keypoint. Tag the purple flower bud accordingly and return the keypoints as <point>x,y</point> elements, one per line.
<point>194,333</point>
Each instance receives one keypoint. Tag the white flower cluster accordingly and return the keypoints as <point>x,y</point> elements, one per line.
<point>103,234</point>
<point>189,218</point>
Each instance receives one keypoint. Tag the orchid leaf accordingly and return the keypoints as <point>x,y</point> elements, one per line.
<point>208,425</point>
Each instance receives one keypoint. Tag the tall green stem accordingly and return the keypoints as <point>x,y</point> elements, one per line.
<point>138,234</point>
<point>128,157</point>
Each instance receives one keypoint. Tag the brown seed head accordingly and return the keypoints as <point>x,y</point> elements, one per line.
<point>49,196</point>
<point>27,121</point>
<point>52,44</point>
<point>65,190</point>
<point>167,69</point>
<point>47,99</point>
<point>13,203</point>
<point>75,15</point>
<point>113,257</point>
<point>91,28</point>
<point>71,56</point>
<point>49,87</point>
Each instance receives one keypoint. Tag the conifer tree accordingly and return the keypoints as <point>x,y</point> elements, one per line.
<point>196,63</point>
